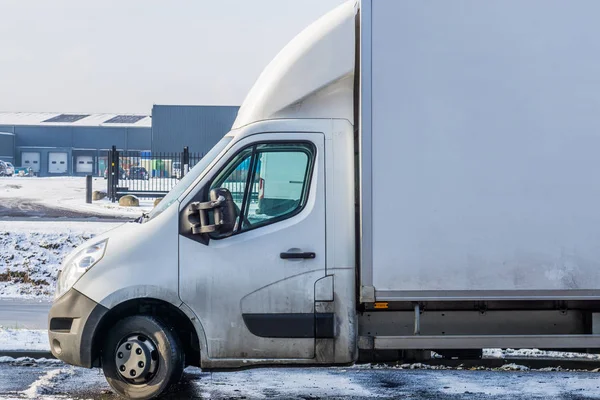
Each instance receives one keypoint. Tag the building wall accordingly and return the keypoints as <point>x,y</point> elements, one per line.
<point>75,141</point>
<point>7,147</point>
<point>99,137</point>
<point>197,127</point>
<point>173,127</point>
<point>139,139</point>
<point>45,158</point>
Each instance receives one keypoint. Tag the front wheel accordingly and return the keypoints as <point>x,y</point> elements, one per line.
<point>141,358</point>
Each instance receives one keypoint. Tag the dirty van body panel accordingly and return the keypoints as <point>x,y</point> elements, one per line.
<point>243,275</point>
<point>482,135</point>
<point>146,267</point>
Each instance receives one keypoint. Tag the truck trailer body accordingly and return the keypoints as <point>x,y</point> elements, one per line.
<point>403,176</point>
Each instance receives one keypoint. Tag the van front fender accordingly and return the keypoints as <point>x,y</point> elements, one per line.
<point>138,292</point>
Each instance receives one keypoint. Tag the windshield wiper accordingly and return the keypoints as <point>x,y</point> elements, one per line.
<point>140,220</point>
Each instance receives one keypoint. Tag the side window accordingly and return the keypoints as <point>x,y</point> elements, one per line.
<point>280,182</point>
<point>269,182</point>
<point>234,177</point>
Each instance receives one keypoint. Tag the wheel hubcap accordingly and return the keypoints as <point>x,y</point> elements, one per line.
<point>137,359</point>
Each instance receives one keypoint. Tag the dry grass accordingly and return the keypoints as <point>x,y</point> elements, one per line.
<point>21,277</point>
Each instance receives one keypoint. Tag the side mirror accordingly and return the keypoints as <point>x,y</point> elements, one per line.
<point>223,209</point>
<point>225,214</point>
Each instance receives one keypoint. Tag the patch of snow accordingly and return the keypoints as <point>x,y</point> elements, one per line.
<point>28,360</point>
<point>47,383</point>
<point>549,386</point>
<point>536,353</point>
<point>281,384</point>
<point>397,366</point>
<point>31,254</point>
<point>68,193</point>
<point>24,339</point>
<point>551,369</point>
<point>29,262</point>
<point>513,367</point>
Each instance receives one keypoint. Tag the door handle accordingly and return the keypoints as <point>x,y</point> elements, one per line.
<point>296,256</point>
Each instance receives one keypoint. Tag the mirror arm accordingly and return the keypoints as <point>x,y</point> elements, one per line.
<point>202,208</point>
<point>223,209</point>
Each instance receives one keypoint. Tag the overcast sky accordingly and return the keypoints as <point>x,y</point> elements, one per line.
<point>122,56</point>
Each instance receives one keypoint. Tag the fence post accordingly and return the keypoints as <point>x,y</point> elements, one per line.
<point>185,165</point>
<point>109,175</point>
<point>114,173</point>
<point>88,189</point>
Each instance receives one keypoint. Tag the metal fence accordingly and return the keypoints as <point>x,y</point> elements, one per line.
<point>146,174</point>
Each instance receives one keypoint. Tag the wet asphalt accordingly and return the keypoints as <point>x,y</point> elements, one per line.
<point>24,313</point>
<point>311,383</point>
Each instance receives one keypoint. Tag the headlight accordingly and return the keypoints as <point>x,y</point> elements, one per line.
<point>76,266</point>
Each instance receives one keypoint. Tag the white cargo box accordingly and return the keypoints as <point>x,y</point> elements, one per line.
<point>480,139</point>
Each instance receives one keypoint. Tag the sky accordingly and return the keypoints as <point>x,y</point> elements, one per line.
<point>123,56</point>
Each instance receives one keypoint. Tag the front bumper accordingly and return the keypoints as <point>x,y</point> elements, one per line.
<point>72,323</point>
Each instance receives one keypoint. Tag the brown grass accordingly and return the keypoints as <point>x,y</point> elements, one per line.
<point>21,277</point>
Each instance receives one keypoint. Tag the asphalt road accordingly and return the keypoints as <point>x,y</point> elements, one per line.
<point>60,381</point>
<point>27,314</point>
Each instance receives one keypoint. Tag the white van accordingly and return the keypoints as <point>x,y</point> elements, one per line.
<point>404,176</point>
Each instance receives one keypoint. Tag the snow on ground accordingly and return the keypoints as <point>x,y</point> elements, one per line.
<point>23,339</point>
<point>535,353</point>
<point>282,383</point>
<point>67,193</point>
<point>28,361</point>
<point>541,385</point>
<point>40,382</point>
<point>47,383</point>
<point>31,253</point>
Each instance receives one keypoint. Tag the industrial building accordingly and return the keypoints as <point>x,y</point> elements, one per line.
<point>7,147</point>
<point>55,144</point>
<point>197,127</point>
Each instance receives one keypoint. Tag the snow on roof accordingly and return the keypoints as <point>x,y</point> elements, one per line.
<point>75,119</point>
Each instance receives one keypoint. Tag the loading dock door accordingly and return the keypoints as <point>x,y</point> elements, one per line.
<point>85,164</point>
<point>31,159</point>
<point>57,163</point>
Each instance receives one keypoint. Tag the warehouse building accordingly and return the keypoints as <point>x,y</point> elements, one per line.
<point>197,127</point>
<point>7,147</point>
<point>54,144</point>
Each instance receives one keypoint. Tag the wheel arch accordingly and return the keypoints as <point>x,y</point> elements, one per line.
<point>190,334</point>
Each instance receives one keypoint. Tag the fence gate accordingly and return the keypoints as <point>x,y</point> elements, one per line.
<point>146,174</point>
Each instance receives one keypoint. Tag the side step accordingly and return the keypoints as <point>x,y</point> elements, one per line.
<point>479,342</point>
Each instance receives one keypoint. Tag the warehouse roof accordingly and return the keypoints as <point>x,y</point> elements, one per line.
<point>75,119</point>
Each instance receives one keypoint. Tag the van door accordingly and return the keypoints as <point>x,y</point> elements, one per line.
<point>254,290</point>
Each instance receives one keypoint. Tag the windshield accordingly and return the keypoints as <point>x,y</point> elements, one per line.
<point>190,177</point>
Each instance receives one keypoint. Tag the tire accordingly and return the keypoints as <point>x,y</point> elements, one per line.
<point>167,360</point>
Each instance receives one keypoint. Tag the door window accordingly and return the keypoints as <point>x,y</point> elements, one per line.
<point>234,177</point>
<point>269,182</point>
